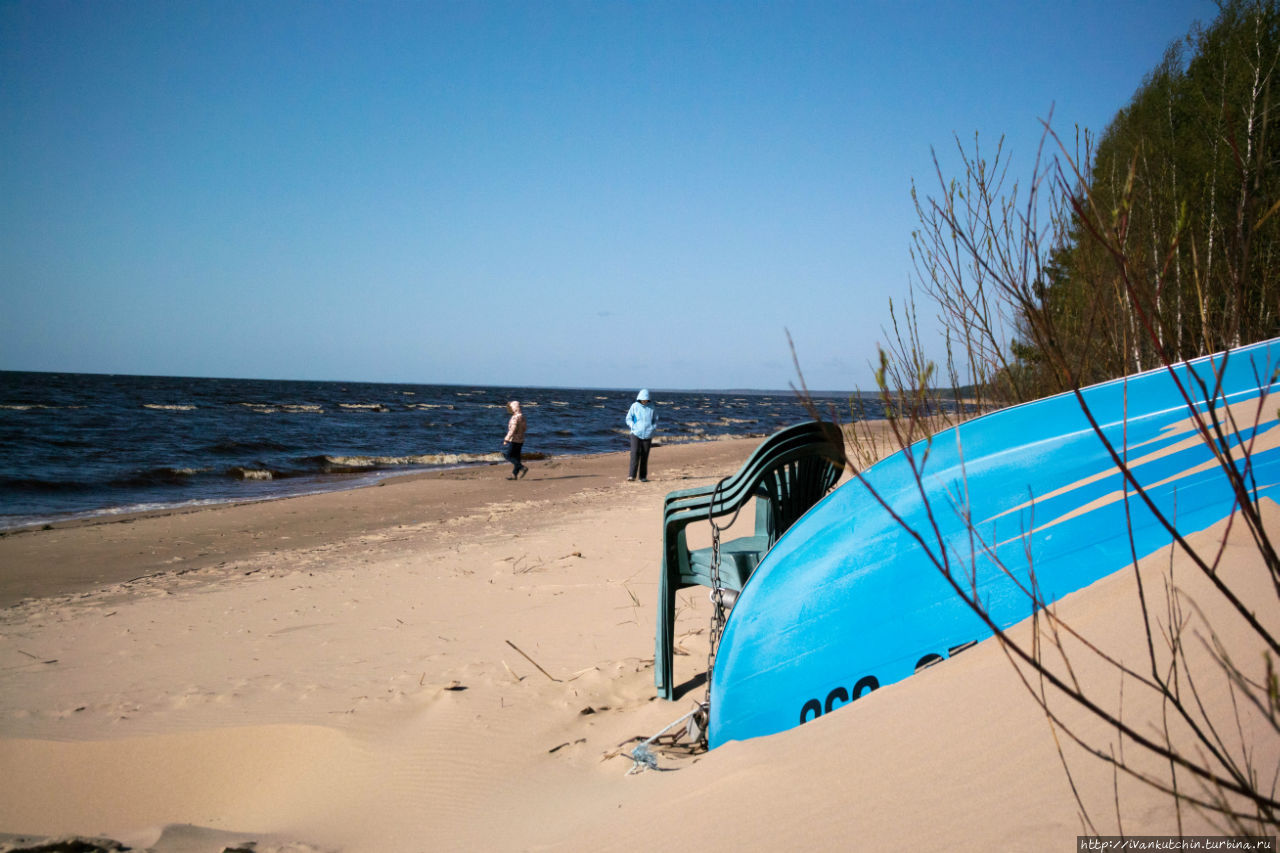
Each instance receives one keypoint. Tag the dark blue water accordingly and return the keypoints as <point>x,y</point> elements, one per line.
<point>84,444</point>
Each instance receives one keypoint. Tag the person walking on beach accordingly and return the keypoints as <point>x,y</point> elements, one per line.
<point>514,442</point>
<point>642,418</point>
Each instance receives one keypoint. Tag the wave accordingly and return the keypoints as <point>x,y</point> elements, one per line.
<point>27,407</point>
<point>340,464</point>
<point>161,475</point>
<point>176,477</point>
<point>169,407</point>
<point>285,408</point>
<point>364,407</point>
<point>166,476</point>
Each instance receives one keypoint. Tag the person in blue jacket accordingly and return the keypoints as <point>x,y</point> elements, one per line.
<point>642,418</point>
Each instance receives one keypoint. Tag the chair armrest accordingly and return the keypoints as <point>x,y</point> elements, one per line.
<point>675,548</point>
<point>686,493</point>
<point>685,496</point>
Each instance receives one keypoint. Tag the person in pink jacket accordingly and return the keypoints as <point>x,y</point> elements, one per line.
<point>514,442</point>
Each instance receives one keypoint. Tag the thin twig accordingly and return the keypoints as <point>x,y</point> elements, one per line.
<point>532,661</point>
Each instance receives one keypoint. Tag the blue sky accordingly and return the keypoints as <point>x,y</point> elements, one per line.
<point>600,194</point>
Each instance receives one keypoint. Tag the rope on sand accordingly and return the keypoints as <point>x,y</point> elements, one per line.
<point>643,758</point>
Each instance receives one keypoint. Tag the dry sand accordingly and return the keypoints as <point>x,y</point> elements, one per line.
<point>453,661</point>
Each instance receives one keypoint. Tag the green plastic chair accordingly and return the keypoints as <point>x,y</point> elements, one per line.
<point>789,472</point>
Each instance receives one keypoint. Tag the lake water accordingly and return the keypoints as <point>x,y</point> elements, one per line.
<point>88,444</point>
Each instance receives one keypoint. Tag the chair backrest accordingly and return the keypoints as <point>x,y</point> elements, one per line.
<point>795,485</point>
<point>793,468</point>
<point>802,434</point>
<point>808,439</point>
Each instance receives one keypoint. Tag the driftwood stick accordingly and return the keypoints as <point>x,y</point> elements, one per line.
<point>532,661</point>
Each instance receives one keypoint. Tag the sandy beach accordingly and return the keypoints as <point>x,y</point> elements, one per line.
<point>455,661</point>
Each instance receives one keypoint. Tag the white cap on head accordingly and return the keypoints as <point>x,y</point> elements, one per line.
<point>643,395</point>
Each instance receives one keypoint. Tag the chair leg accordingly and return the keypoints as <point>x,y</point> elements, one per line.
<point>664,637</point>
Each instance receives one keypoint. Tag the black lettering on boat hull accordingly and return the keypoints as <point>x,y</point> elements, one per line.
<point>814,708</point>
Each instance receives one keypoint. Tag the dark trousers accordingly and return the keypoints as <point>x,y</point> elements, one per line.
<point>511,453</point>
<point>640,457</point>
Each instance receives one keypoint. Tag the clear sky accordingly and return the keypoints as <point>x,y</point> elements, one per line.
<point>599,194</point>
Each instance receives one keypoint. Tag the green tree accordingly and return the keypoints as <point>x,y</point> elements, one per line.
<point>1172,243</point>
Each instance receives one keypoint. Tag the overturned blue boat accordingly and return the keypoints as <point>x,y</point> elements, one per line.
<point>853,596</point>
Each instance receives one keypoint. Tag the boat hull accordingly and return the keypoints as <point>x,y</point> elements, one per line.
<point>850,599</point>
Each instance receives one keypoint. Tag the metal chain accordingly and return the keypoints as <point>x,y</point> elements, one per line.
<point>717,607</point>
<point>717,603</point>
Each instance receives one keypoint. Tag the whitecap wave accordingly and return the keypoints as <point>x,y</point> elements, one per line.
<point>425,459</point>
<point>287,408</point>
